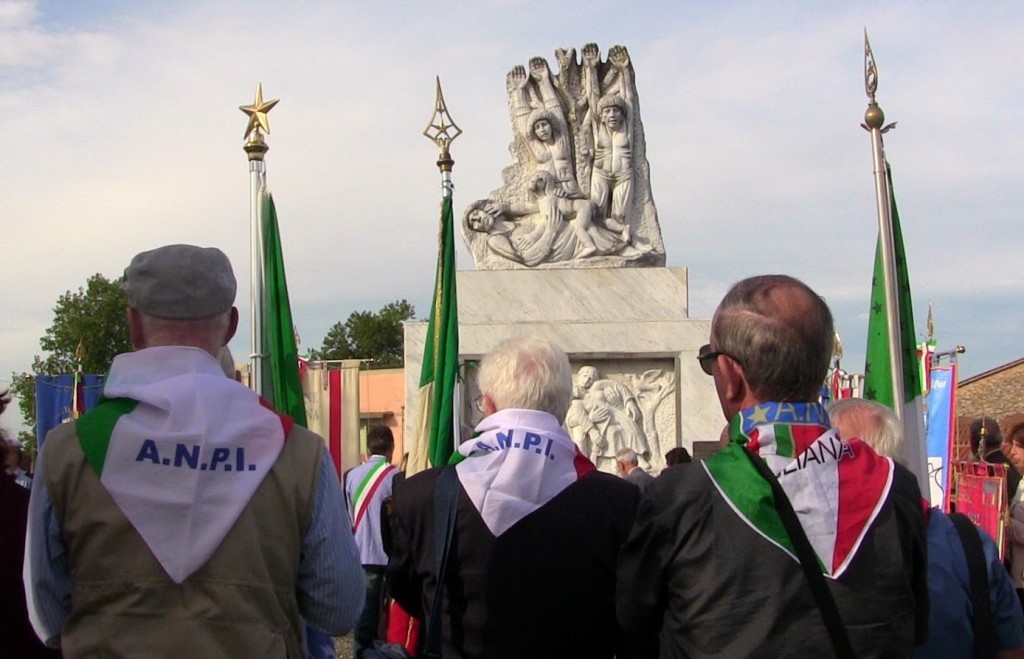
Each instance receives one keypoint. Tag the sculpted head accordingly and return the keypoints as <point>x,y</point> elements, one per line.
<point>613,110</point>
<point>774,338</point>
<point>543,126</point>
<point>481,216</point>
<point>181,295</point>
<point>586,376</point>
<point>871,422</point>
<point>527,373</point>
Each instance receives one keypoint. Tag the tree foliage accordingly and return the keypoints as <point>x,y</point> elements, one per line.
<point>369,335</point>
<point>94,317</point>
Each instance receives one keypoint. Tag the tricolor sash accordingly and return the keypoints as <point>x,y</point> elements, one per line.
<point>367,488</point>
<point>836,487</point>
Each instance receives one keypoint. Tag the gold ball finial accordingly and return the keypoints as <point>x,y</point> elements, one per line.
<point>873,116</point>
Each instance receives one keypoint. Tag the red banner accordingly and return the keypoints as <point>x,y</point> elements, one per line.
<point>980,491</point>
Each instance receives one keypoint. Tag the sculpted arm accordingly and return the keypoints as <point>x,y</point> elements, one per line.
<point>516,82</point>
<point>619,58</point>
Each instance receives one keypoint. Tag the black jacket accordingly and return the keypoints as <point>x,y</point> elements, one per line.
<point>544,588</point>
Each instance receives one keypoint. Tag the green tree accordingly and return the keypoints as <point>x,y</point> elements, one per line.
<point>369,335</point>
<point>94,317</point>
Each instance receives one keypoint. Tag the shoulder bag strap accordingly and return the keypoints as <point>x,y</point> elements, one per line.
<point>446,496</point>
<point>808,561</point>
<point>984,631</point>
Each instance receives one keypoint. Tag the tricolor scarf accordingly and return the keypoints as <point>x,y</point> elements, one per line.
<point>521,460</point>
<point>181,449</point>
<point>837,487</point>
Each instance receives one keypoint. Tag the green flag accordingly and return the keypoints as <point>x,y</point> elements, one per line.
<point>435,439</point>
<point>281,384</point>
<point>878,369</point>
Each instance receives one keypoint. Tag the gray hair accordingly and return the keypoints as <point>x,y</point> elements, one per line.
<point>527,373</point>
<point>783,342</point>
<point>871,422</point>
<point>627,455</point>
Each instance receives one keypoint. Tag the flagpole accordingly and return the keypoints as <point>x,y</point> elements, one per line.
<point>256,148</point>
<point>442,131</point>
<point>874,118</point>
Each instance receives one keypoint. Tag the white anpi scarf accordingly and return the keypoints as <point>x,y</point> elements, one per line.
<point>521,460</point>
<point>184,463</point>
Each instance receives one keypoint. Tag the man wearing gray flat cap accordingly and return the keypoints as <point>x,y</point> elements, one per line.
<point>181,516</point>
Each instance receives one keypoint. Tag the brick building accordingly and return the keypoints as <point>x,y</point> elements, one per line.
<point>997,392</point>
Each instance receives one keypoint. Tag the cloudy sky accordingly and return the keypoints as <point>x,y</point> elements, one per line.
<point>120,131</point>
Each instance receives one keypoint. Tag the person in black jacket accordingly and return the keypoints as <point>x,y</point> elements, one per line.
<point>711,568</point>
<point>531,569</point>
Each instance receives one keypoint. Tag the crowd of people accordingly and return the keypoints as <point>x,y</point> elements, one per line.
<point>183,517</point>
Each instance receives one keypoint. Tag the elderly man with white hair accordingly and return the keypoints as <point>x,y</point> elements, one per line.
<point>531,566</point>
<point>953,627</point>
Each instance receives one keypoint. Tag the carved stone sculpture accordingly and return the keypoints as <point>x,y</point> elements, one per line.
<point>578,193</point>
<point>603,418</point>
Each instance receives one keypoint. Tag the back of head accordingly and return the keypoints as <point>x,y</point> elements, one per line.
<point>627,456</point>
<point>380,441</point>
<point>182,295</point>
<point>677,456</point>
<point>985,434</point>
<point>527,373</point>
<point>871,422</point>
<point>781,333</point>
<point>180,282</point>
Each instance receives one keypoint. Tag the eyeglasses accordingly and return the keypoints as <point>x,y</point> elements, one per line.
<point>706,356</point>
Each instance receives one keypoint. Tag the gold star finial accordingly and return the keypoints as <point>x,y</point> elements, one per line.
<point>442,130</point>
<point>257,112</point>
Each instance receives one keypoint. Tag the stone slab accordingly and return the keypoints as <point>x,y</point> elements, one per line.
<point>594,315</point>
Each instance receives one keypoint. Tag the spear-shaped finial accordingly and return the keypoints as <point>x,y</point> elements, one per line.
<point>931,323</point>
<point>255,146</point>
<point>442,130</point>
<point>873,116</point>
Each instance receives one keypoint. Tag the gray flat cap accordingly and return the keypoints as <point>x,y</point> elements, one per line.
<point>180,282</point>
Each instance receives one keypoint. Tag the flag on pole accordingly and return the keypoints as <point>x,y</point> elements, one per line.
<point>878,369</point>
<point>435,438</point>
<point>281,385</point>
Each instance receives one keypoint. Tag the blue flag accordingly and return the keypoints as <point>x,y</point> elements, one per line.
<point>54,398</point>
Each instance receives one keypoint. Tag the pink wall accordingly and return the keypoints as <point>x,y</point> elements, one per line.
<point>382,392</point>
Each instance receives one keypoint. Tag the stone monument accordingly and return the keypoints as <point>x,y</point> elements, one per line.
<point>570,248</point>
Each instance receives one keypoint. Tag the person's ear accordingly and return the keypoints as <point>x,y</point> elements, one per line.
<point>232,326</point>
<point>135,331</point>
<point>489,407</point>
<point>735,390</point>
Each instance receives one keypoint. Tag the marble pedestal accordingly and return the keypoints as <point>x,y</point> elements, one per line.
<point>630,323</point>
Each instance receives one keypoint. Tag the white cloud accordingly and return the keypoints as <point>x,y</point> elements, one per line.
<point>121,131</point>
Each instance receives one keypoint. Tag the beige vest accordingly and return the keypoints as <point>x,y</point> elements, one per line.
<point>242,603</point>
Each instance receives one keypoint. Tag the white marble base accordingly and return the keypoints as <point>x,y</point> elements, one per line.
<point>593,314</point>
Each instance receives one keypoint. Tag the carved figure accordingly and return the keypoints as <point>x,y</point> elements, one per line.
<point>610,117</point>
<point>562,232</point>
<point>545,128</point>
<point>604,417</point>
<point>580,126</point>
